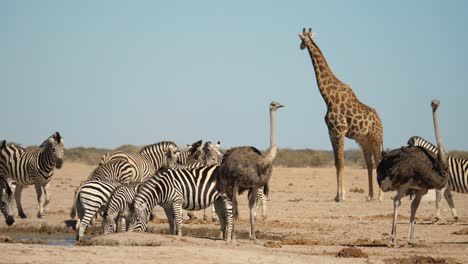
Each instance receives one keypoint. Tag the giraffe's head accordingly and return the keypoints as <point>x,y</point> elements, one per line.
<point>306,37</point>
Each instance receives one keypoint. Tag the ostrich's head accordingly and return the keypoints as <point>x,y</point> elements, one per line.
<point>434,104</point>
<point>306,37</point>
<point>55,145</point>
<point>275,106</point>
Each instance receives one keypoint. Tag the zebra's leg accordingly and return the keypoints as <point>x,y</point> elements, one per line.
<point>191,215</point>
<point>449,198</point>
<point>18,191</point>
<point>170,219</point>
<point>177,207</point>
<point>235,189</point>
<point>123,224</point>
<point>47,196</point>
<point>214,216</point>
<point>220,210</point>
<point>438,203</point>
<point>414,208</point>
<point>252,200</point>
<point>40,199</point>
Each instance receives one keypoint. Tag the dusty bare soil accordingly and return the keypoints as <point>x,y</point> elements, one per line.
<point>304,225</point>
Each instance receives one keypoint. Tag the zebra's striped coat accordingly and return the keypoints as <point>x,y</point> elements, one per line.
<point>91,198</point>
<point>118,208</point>
<point>34,166</point>
<point>458,176</point>
<point>177,189</point>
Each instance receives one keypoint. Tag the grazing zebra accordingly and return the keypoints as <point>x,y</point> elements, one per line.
<point>118,208</point>
<point>177,189</point>
<point>6,201</point>
<point>458,177</point>
<point>134,168</point>
<point>32,166</point>
<point>92,197</point>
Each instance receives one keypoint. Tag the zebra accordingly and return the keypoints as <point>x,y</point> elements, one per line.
<point>134,168</point>
<point>91,198</point>
<point>6,201</point>
<point>34,166</point>
<point>191,154</point>
<point>177,189</point>
<point>210,154</point>
<point>458,177</point>
<point>261,201</point>
<point>118,208</point>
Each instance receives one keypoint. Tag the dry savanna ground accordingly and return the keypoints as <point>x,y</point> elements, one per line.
<point>304,225</point>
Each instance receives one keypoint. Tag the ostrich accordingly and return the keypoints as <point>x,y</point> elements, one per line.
<point>412,171</point>
<point>245,168</point>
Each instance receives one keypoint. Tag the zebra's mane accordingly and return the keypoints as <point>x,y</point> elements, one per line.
<point>164,144</point>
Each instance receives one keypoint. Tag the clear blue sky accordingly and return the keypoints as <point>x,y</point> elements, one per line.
<point>108,73</point>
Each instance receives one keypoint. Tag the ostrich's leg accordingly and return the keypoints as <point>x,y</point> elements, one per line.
<point>414,208</point>
<point>338,152</point>
<point>449,198</point>
<point>252,199</point>
<point>438,203</point>
<point>396,203</point>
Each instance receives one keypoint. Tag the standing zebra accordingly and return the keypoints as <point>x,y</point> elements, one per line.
<point>136,167</point>
<point>457,181</point>
<point>210,155</point>
<point>6,201</point>
<point>177,189</point>
<point>32,166</point>
<point>191,154</point>
<point>118,208</point>
<point>92,197</point>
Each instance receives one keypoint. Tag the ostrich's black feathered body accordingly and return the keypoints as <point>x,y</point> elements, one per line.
<point>245,166</point>
<point>412,163</point>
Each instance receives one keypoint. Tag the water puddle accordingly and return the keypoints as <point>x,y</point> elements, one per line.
<point>44,239</point>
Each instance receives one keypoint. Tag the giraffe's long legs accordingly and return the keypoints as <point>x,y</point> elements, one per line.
<point>338,152</point>
<point>367,151</point>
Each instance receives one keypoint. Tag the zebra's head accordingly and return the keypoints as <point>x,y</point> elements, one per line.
<point>212,153</point>
<point>7,200</point>
<point>108,225</point>
<point>172,156</point>
<point>55,145</point>
<point>139,217</point>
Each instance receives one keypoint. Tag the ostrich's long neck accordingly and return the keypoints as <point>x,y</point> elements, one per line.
<point>438,137</point>
<point>272,150</point>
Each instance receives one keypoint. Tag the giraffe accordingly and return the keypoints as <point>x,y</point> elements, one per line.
<point>346,117</point>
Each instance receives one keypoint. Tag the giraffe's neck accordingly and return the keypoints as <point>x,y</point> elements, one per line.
<point>324,75</point>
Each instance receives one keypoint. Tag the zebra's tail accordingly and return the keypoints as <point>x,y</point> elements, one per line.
<point>73,207</point>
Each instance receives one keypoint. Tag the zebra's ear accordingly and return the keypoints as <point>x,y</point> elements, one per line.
<point>57,137</point>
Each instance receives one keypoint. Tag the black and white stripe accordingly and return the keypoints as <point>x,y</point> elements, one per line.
<point>177,189</point>
<point>6,201</point>
<point>34,166</point>
<point>118,208</point>
<point>458,176</point>
<point>91,198</point>
<point>134,168</point>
